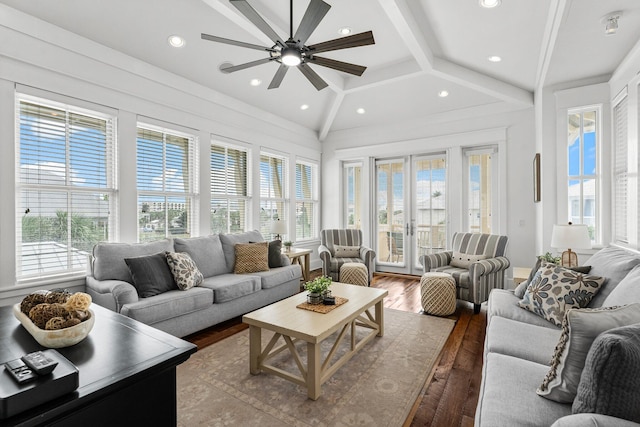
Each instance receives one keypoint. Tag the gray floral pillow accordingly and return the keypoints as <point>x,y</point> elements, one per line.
<point>555,289</point>
<point>184,269</point>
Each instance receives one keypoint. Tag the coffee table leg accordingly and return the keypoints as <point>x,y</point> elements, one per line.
<point>255,348</point>
<point>313,371</point>
<point>380,317</point>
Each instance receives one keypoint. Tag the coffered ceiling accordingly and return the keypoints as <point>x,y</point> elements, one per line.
<point>422,48</point>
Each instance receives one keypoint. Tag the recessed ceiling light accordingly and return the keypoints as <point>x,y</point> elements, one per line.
<point>443,93</point>
<point>255,82</point>
<point>490,3</point>
<point>304,107</point>
<point>345,31</point>
<point>176,41</point>
<point>494,58</point>
<point>360,111</point>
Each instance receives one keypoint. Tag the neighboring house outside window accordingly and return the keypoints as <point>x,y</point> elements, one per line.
<point>66,186</point>
<point>306,201</point>
<point>273,191</point>
<point>166,182</point>
<point>230,194</point>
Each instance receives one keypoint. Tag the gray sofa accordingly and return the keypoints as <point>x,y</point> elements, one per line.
<point>519,346</point>
<point>221,296</point>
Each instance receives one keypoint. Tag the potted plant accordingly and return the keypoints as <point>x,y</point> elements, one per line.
<point>287,245</point>
<point>548,257</point>
<point>317,288</point>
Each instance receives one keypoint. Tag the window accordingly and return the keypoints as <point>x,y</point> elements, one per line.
<point>230,195</point>
<point>480,189</point>
<point>353,194</point>
<point>65,186</point>
<point>582,166</point>
<point>166,171</point>
<point>273,191</point>
<point>306,201</point>
<point>620,171</point>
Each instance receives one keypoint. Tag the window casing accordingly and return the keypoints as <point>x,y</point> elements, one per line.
<point>66,186</point>
<point>307,204</point>
<point>352,173</point>
<point>274,203</point>
<point>166,183</point>
<point>230,190</point>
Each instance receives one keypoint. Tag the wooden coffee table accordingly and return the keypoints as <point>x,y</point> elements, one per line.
<point>285,320</point>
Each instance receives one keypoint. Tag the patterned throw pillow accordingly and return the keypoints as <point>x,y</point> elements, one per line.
<point>558,289</point>
<point>184,270</point>
<point>462,260</point>
<point>580,328</point>
<point>347,251</point>
<point>251,257</point>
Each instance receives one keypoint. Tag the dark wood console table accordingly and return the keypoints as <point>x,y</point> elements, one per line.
<point>127,373</point>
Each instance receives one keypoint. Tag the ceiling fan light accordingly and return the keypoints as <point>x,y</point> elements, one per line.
<point>291,57</point>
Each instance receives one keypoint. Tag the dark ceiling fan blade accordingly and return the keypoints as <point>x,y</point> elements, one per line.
<point>235,68</point>
<point>235,42</point>
<point>257,20</point>
<point>345,67</point>
<point>312,76</point>
<point>277,79</point>
<point>361,39</point>
<point>315,13</point>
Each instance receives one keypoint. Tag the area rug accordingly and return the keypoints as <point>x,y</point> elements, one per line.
<point>377,387</point>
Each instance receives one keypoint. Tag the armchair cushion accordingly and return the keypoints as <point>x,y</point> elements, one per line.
<point>347,251</point>
<point>462,260</point>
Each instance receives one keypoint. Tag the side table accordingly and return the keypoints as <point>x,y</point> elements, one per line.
<point>520,274</point>
<point>295,255</point>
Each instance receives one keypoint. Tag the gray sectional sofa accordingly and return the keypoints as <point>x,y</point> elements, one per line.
<point>221,296</point>
<point>519,346</point>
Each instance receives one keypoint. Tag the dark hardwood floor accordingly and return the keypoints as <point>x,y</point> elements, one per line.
<point>450,397</point>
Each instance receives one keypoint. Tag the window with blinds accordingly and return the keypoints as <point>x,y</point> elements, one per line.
<point>66,186</point>
<point>273,192</point>
<point>306,201</point>
<point>230,195</point>
<point>620,170</point>
<point>166,183</point>
<point>352,176</point>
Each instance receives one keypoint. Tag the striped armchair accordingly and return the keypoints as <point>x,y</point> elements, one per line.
<point>331,264</point>
<point>476,262</point>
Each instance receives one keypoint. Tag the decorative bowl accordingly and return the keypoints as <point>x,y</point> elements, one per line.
<point>56,338</point>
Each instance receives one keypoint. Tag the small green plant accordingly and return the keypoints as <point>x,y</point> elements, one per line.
<point>287,244</point>
<point>318,285</point>
<point>548,257</point>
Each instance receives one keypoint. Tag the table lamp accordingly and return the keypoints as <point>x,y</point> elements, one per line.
<point>278,227</point>
<point>570,236</point>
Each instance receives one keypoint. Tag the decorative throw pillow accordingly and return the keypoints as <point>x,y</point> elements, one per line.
<point>580,328</point>
<point>346,251</point>
<point>558,290</point>
<point>610,384</point>
<point>275,254</point>
<point>251,257</point>
<point>151,275</point>
<point>184,269</point>
<point>462,260</point>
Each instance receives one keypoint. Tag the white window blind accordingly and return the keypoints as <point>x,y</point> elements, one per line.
<point>273,191</point>
<point>230,195</point>
<point>166,182</point>
<point>352,176</point>
<point>620,170</point>
<point>65,185</point>
<point>306,201</point>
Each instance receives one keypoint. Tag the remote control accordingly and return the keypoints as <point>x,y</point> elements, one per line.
<point>39,362</point>
<point>20,372</point>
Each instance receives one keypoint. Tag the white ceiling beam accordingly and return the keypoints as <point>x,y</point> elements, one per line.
<point>557,10</point>
<point>382,76</point>
<point>331,115</point>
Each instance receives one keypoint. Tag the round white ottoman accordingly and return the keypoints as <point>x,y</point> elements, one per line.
<point>438,292</point>
<point>354,273</point>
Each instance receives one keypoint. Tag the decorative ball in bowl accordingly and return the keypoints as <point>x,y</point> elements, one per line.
<point>56,319</point>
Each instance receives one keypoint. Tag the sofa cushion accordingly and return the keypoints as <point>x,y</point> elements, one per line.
<point>185,271</point>
<point>229,242</point>
<point>151,274</point>
<point>503,303</point>
<point>462,260</point>
<point>593,420</point>
<point>275,254</point>
<point>579,329</point>
<point>522,340</point>
<point>558,289</point>
<point>614,264</point>
<point>108,258</point>
<point>627,291</point>
<point>277,276</point>
<point>206,252</point>
<point>508,394</point>
<point>168,305</point>
<point>610,383</point>
<point>227,287</point>
<point>251,257</point>
<point>461,275</point>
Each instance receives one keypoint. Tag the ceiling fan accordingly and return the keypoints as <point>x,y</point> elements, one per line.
<point>293,52</point>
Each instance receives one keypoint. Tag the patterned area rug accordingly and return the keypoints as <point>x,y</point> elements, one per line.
<point>377,387</point>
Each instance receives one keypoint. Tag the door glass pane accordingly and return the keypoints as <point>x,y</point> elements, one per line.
<point>573,153</point>
<point>353,177</point>
<point>479,197</point>
<point>390,211</point>
<point>430,206</point>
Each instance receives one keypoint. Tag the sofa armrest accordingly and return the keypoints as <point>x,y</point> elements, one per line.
<point>112,294</point>
<point>432,261</point>
<point>488,266</point>
<point>368,255</point>
<point>325,255</point>
<point>592,420</point>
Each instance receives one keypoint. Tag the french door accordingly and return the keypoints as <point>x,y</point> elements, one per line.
<point>411,211</point>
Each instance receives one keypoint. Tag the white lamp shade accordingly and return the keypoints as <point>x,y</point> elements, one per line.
<point>279,227</point>
<point>572,236</point>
